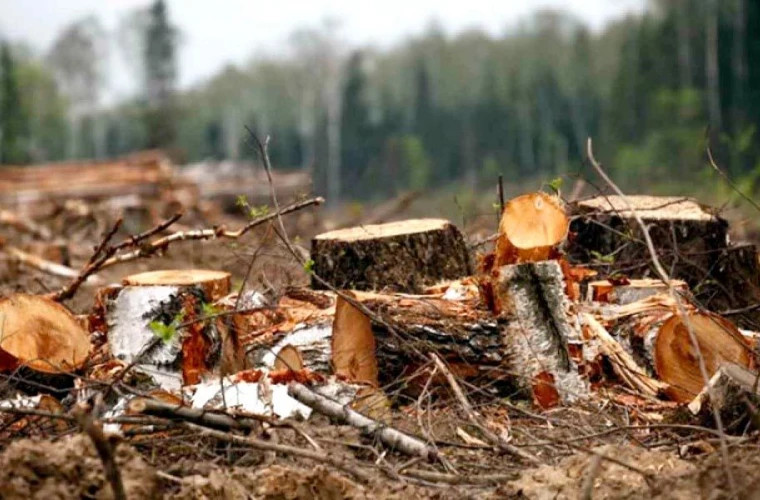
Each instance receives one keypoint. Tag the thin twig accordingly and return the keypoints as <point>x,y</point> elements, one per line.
<point>105,452</point>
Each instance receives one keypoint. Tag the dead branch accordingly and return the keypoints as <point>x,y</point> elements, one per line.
<point>41,264</point>
<point>663,275</point>
<point>105,451</point>
<point>331,459</point>
<point>8,218</point>
<point>474,418</point>
<point>388,435</point>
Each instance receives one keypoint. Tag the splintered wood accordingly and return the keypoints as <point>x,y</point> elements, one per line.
<point>402,256</point>
<point>542,331</point>
<point>353,344</point>
<point>41,335</point>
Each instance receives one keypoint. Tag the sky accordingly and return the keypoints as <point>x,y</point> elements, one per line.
<point>218,32</point>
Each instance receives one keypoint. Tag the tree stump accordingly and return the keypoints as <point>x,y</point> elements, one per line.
<point>172,304</point>
<point>531,226</point>
<point>40,334</point>
<point>685,234</point>
<point>542,334</point>
<point>402,256</point>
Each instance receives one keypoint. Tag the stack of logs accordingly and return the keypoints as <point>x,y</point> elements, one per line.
<point>389,300</point>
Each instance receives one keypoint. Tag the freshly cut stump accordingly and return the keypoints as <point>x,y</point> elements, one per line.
<point>542,334</point>
<point>172,304</point>
<point>403,256</point>
<point>531,226</point>
<point>658,339</point>
<point>685,234</point>
<point>41,335</point>
<point>733,284</point>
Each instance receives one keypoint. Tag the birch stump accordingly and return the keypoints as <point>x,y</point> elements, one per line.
<point>403,256</point>
<point>172,304</point>
<point>542,334</point>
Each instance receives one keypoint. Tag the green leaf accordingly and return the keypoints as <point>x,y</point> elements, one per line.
<point>555,184</point>
<point>209,309</point>
<point>162,331</point>
<point>308,266</point>
<point>256,212</point>
<point>241,201</point>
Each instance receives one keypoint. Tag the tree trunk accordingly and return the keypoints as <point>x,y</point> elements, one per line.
<point>711,65</point>
<point>541,334</point>
<point>402,256</point>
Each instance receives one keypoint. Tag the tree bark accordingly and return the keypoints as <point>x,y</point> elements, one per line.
<point>402,256</point>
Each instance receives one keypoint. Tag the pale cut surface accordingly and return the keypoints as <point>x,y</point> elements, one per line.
<point>375,231</point>
<point>534,220</point>
<point>675,358</point>
<point>650,207</point>
<point>353,345</point>
<point>216,284</point>
<point>40,334</point>
<point>289,358</point>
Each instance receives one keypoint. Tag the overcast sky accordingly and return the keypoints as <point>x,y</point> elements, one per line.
<point>216,32</point>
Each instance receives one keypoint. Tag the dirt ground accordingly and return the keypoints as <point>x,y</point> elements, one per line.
<point>613,447</point>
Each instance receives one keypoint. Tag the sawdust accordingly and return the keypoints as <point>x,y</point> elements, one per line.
<point>70,468</point>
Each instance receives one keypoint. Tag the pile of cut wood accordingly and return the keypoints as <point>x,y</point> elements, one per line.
<point>389,302</point>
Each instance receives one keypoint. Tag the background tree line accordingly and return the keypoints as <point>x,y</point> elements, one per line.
<point>433,110</point>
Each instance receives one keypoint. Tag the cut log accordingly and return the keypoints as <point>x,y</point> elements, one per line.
<point>542,334</point>
<point>734,392</point>
<point>403,256</point>
<point>658,338</point>
<point>353,345</point>
<point>41,335</point>
<point>687,236</point>
<point>468,338</point>
<point>531,227</point>
<point>172,304</point>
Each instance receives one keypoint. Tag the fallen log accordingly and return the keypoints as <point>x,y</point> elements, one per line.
<point>531,227</point>
<point>658,338</point>
<point>541,333</point>
<point>734,392</point>
<point>40,336</point>
<point>469,339</point>
<point>402,256</point>
<point>172,306</point>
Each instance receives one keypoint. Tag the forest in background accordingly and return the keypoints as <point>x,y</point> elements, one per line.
<point>434,110</point>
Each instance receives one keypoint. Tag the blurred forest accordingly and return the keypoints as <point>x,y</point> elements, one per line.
<point>432,111</point>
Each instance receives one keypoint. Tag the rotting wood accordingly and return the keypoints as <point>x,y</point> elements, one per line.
<point>41,335</point>
<point>403,256</point>
<point>542,332</point>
